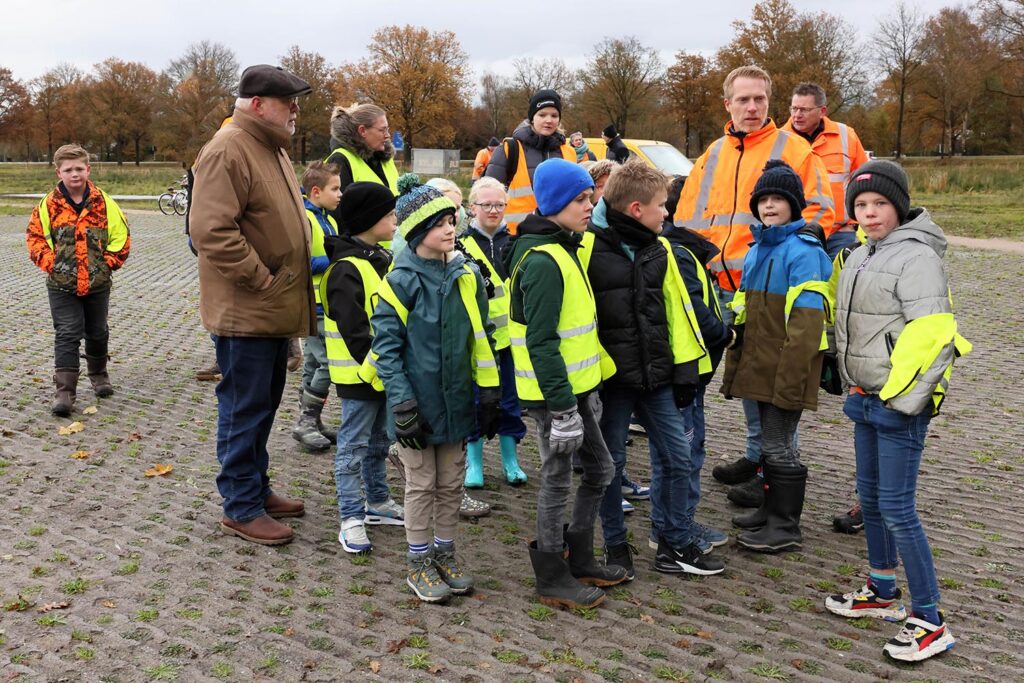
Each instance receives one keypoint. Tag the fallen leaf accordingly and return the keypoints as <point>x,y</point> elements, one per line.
<point>706,635</point>
<point>91,410</point>
<point>395,646</point>
<point>72,428</point>
<point>109,604</point>
<point>375,666</point>
<point>80,455</point>
<point>682,642</point>
<point>159,469</point>
<point>134,436</point>
<point>437,668</point>
<point>647,618</point>
<point>53,605</point>
<point>289,632</point>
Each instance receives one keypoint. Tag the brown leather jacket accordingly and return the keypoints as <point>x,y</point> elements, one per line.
<point>247,222</point>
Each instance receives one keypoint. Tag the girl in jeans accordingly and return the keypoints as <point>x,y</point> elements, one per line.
<point>896,340</point>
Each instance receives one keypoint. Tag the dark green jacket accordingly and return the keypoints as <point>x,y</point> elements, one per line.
<point>536,301</point>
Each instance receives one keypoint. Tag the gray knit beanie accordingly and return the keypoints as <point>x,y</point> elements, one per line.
<point>887,178</point>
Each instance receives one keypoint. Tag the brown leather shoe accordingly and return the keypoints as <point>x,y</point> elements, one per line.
<point>295,357</point>
<point>279,506</point>
<point>262,530</point>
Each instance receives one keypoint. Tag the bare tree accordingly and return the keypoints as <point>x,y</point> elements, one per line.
<point>621,78</point>
<point>314,122</point>
<point>53,97</point>
<point>898,48</point>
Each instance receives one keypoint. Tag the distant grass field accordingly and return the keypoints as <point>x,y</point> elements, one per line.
<point>969,196</point>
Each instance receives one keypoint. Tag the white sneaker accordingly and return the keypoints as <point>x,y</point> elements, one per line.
<point>919,640</point>
<point>353,537</point>
<point>388,512</point>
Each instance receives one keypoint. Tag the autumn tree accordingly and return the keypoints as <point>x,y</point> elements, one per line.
<point>621,79</point>
<point>693,93</point>
<point>54,100</point>
<point>122,95</point>
<point>15,109</point>
<point>418,77</point>
<point>898,48</point>
<point>312,128</point>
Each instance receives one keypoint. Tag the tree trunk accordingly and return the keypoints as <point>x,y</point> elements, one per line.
<point>138,155</point>
<point>899,118</point>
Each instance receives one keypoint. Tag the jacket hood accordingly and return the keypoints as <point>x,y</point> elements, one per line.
<point>701,247</point>
<point>919,226</point>
<point>528,136</point>
<point>771,235</point>
<point>534,231</point>
<point>271,136</point>
<point>341,246</point>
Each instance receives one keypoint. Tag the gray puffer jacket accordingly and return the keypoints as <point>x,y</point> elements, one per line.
<point>884,286</point>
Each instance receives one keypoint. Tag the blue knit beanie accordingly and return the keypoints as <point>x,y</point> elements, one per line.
<point>556,182</point>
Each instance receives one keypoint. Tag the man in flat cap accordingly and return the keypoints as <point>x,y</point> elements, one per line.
<point>249,226</point>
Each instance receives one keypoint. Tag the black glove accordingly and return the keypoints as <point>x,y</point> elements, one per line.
<point>490,411</point>
<point>737,338</point>
<point>410,427</point>
<point>683,394</point>
<point>831,382</point>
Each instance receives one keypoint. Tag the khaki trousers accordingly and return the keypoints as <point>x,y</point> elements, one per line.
<point>433,490</point>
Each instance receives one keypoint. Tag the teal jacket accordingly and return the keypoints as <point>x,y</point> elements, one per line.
<point>430,358</point>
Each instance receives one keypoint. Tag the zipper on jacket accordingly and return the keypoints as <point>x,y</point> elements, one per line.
<point>732,217</point>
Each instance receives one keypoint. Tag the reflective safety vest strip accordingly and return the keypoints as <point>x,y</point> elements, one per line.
<point>316,245</point>
<point>485,367</point>
<point>684,330</point>
<point>738,306</point>
<point>819,287</point>
<point>521,200</point>
<point>586,362</point>
<point>117,224</point>
<point>497,306</point>
<point>361,171</point>
<point>344,369</point>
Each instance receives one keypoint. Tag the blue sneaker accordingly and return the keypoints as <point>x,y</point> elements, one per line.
<point>714,537</point>
<point>634,491</point>
<point>627,507</point>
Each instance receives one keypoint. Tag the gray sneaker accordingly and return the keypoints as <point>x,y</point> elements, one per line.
<point>451,573</point>
<point>424,579</point>
<point>388,512</point>
<point>353,537</point>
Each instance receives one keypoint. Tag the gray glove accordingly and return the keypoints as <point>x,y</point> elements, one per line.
<point>566,432</point>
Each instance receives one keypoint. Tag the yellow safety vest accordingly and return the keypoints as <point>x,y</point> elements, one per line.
<point>485,367</point>
<point>343,367</point>
<point>586,362</point>
<point>316,245</point>
<point>117,225</point>
<point>521,200</point>
<point>362,173</point>
<point>497,306</point>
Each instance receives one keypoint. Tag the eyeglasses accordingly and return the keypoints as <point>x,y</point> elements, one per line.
<point>493,208</point>
<point>383,131</point>
<point>802,110</point>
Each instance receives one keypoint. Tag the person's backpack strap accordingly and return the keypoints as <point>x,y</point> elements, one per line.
<point>511,159</point>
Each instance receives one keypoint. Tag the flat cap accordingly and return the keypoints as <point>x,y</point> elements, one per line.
<point>264,80</point>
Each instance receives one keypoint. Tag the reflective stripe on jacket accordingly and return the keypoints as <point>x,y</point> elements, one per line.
<point>497,306</point>
<point>840,150</point>
<point>715,201</point>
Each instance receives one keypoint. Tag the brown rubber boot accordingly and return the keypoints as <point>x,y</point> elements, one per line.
<point>101,385</point>
<point>263,530</point>
<point>66,381</point>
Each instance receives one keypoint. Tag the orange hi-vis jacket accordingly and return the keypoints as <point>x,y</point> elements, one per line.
<point>521,200</point>
<point>840,149</point>
<point>715,201</point>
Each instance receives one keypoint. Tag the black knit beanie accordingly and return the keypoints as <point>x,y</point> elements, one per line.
<point>779,178</point>
<point>887,178</point>
<point>362,205</point>
<point>541,99</point>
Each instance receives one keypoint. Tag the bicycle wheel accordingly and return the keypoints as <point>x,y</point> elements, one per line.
<point>166,203</point>
<point>180,202</point>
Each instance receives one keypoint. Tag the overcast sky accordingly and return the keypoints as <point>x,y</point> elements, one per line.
<point>39,35</point>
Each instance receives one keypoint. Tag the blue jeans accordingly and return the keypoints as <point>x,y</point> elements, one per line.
<point>694,428</point>
<point>750,409</point>
<point>253,371</point>
<point>889,446</point>
<point>362,456</point>
<point>670,462</point>
<point>316,375</point>
<point>511,422</point>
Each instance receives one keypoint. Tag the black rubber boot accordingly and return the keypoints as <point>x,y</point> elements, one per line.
<point>97,366</point>
<point>749,494</point>
<point>555,584</point>
<point>754,519</point>
<point>735,472</point>
<point>582,564</point>
<point>66,382</point>
<point>621,555</point>
<point>784,501</point>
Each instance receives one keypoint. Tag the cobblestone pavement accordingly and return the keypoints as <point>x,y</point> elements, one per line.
<point>154,591</point>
